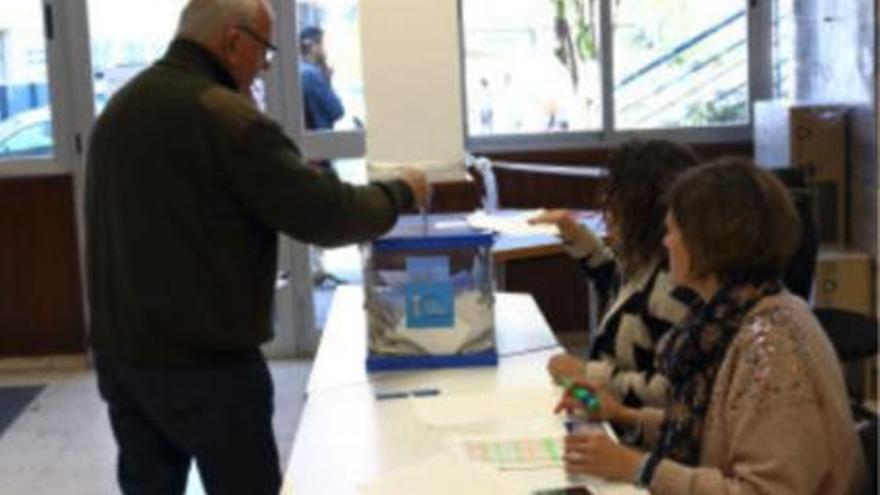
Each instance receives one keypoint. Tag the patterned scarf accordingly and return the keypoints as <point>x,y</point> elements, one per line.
<point>691,359</point>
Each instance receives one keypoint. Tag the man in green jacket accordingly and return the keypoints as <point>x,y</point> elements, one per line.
<point>188,185</point>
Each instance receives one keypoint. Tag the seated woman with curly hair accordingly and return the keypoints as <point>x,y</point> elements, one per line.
<point>631,272</point>
<point>757,399</point>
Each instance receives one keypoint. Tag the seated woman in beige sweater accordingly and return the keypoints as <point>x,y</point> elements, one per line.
<point>757,400</point>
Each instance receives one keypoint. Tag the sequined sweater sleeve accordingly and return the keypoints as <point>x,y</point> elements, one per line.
<point>778,422</point>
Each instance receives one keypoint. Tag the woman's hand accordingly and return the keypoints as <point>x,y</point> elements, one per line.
<point>563,219</point>
<point>577,241</point>
<point>598,455</point>
<point>607,407</point>
<point>564,366</point>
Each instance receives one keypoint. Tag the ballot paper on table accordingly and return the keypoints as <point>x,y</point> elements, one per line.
<point>511,452</point>
<point>442,474</point>
<point>461,410</point>
<point>517,450</point>
<point>511,224</point>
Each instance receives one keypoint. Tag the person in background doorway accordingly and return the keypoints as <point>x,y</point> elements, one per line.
<point>321,104</point>
<point>632,274</point>
<point>757,401</point>
<point>322,109</point>
<point>188,186</point>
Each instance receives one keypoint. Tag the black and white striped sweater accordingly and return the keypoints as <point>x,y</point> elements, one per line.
<point>642,308</point>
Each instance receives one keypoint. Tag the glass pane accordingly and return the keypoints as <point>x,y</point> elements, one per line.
<point>330,64</point>
<point>783,49</point>
<point>126,37</point>
<point>680,63</point>
<point>531,66</point>
<point>25,118</point>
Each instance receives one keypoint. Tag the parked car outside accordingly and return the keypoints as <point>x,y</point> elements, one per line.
<point>28,133</point>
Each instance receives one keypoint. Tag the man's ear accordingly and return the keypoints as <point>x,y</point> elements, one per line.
<point>230,40</point>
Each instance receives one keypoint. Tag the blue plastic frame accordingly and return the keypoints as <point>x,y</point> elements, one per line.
<point>402,363</point>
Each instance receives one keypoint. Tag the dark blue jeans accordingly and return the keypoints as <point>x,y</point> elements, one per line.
<point>218,414</point>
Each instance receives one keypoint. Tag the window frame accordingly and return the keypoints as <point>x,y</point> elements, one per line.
<point>285,84</point>
<point>759,24</point>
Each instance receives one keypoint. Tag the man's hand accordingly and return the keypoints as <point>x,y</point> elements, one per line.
<point>418,184</point>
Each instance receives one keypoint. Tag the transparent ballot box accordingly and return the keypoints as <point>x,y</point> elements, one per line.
<point>429,296</point>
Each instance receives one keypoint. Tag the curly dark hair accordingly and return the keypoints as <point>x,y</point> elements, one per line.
<point>737,221</point>
<point>639,174</point>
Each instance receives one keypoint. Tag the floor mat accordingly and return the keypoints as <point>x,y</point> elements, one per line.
<point>14,400</point>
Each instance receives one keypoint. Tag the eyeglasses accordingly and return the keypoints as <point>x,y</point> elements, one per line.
<point>267,45</point>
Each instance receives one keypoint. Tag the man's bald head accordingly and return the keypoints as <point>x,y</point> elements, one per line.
<point>204,21</point>
<point>234,31</point>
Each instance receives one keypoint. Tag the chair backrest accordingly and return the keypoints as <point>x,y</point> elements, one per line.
<point>868,436</point>
<point>798,276</point>
<point>853,335</point>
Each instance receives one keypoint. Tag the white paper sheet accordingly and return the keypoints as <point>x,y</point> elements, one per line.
<point>511,224</point>
<point>441,474</point>
<point>461,410</point>
<point>512,452</point>
<point>412,84</point>
<point>516,451</point>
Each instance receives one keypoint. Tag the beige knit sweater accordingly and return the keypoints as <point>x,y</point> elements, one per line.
<point>779,421</point>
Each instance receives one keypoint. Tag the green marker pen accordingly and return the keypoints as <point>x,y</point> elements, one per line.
<point>590,401</point>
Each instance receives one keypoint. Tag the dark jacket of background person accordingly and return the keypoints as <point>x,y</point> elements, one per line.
<point>188,186</point>
<point>322,106</point>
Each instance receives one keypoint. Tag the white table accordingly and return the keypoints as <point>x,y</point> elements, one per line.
<point>346,437</point>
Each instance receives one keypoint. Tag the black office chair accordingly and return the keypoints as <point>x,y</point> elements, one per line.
<point>798,276</point>
<point>867,428</point>
<point>854,337</point>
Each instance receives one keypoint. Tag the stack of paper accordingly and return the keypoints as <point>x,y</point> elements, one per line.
<point>516,224</point>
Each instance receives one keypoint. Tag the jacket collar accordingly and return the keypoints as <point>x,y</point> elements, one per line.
<point>190,55</point>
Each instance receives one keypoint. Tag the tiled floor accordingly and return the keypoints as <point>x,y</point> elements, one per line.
<point>62,443</point>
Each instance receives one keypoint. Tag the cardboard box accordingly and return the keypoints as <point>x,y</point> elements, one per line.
<point>844,280</point>
<point>814,138</point>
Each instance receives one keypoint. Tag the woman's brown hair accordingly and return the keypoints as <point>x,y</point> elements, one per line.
<point>640,172</point>
<point>737,221</point>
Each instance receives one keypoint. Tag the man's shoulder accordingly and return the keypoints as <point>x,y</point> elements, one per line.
<point>230,109</point>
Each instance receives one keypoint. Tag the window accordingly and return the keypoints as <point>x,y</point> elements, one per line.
<point>3,56</point>
<point>677,67</point>
<point>531,67</point>
<point>336,61</point>
<point>680,63</point>
<point>29,140</point>
<point>25,119</point>
<point>783,49</point>
<point>122,49</point>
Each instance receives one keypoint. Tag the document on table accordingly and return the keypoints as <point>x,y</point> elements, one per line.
<point>516,225</point>
<point>460,410</point>
<point>511,452</point>
<point>441,474</point>
<point>516,451</point>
